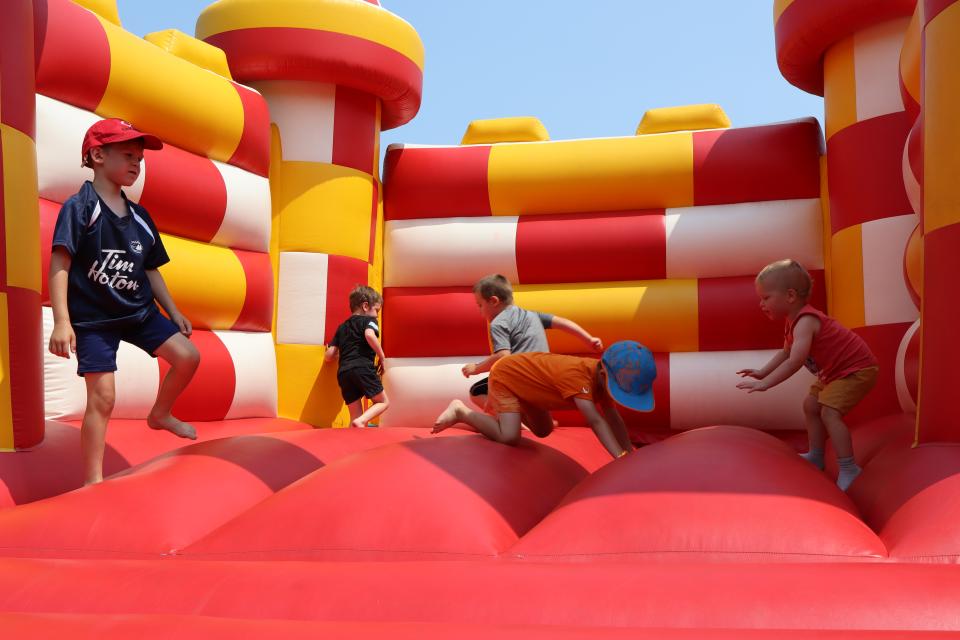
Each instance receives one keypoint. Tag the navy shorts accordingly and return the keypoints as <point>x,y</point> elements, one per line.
<point>362,382</point>
<point>97,348</point>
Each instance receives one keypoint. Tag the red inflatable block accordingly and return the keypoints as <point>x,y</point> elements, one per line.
<point>17,101</point>
<point>596,247</point>
<point>752,164</point>
<point>436,182</point>
<point>428,498</point>
<point>718,493</point>
<point>354,129</point>
<point>433,321</point>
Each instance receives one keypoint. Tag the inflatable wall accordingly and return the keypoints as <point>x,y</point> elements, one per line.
<point>269,200</point>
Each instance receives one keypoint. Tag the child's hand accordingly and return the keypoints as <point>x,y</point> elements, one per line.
<point>597,343</point>
<point>380,367</point>
<point>750,387</point>
<point>182,323</point>
<point>749,373</point>
<point>63,341</point>
<point>469,370</point>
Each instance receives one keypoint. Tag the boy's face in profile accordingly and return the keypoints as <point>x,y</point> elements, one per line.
<point>775,302</point>
<point>489,307</point>
<point>119,162</point>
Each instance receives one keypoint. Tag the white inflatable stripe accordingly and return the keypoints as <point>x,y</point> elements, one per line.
<point>419,389</point>
<point>449,252</point>
<point>703,392</point>
<point>302,298</point>
<point>740,239</point>
<point>903,392</point>
<point>246,222</point>
<point>886,298</point>
<point>304,113</point>
<point>876,60</point>
<point>255,364</point>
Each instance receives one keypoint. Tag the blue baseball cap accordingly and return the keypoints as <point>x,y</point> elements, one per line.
<point>630,370</point>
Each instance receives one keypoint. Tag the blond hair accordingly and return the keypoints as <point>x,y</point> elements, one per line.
<point>362,294</point>
<point>494,285</point>
<point>787,274</point>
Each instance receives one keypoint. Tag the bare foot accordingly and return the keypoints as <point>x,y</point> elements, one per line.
<point>449,417</point>
<point>87,483</point>
<point>358,424</point>
<point>174,426</point>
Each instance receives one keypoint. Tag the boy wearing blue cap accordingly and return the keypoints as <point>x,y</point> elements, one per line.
<point>525,387</point>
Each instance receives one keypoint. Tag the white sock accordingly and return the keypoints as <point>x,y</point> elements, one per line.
<point>848,472</point>
<point>814,457</point>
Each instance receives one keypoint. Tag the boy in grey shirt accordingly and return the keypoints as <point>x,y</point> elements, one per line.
<point>514,330</point>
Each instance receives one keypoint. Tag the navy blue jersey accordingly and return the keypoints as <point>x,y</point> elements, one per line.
<point>108,283</point>
<point>355,351</point>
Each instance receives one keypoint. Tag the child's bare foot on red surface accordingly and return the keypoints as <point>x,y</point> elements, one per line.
<point>358,424</point>
<point>174,426</point>
<point>451,416</point>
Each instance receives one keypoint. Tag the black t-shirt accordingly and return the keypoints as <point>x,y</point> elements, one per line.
<point>355,351</point>
<point>108,285</point>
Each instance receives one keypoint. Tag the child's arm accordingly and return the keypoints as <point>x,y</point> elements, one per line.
<point>803,334</point>
<point>331,353</point>
<point>601,427</point>
<point>484,365</point>
<point>571,327</point>
<point>162,294</point>
<point>778,358</point>
<point>374,343</point>
<point>63,341</point>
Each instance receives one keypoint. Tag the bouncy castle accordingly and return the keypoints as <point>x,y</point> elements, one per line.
<point>270,201</point>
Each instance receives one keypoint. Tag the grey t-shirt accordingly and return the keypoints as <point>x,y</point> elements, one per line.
<point>520,330</point>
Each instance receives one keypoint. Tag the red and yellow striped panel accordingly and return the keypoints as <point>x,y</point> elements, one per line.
<point>21,378</point>
<point>681,169</point>
<point>806,29</point>
<point>216,288</point>
<point>94,64</point>
<point>186,194</point>
<point>938,416</point>
<point>667,315</point>
<point>351,44</point>
<point>307,385</point>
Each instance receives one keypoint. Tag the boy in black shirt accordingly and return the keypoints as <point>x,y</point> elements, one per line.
<point>103,283</point>
<point>357,342</point>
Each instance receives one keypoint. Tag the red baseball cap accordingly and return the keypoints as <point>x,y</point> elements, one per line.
<point>114,130</point>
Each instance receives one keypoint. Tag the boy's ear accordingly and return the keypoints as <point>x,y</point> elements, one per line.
<point>494,300</point>
<point>96,155</point>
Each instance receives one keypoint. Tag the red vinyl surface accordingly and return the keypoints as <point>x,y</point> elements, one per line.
<point>436,182</point>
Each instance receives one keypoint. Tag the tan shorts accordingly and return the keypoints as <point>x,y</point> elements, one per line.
<point>845,393</point>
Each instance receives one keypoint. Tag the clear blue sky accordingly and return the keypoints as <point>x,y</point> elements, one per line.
<point>584,68</point>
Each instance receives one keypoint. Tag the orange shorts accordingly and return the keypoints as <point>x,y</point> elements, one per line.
<point>845,393</point>
<point>547,381</point>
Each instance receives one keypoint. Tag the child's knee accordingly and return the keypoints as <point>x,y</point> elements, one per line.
<point>102,401</point>
<point>830,414</point>
<point>811,406</point>
<point>509,438</point>
<point>188,357</point>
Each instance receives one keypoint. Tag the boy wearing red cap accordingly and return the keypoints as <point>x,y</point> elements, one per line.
<point>103,283</point>
<point>525,387</point>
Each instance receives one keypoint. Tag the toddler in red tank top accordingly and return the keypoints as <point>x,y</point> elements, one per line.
<point>846,369</point>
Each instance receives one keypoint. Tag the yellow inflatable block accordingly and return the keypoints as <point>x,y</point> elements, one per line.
<point>192,50</point>
<point>308,389</point>
<point>324,208</point>
<point>941,104</point>
<point>519,129</point>
<point>22,219</point>
<point>839,87</point>
<point>207,282</point>
<point>349,17</point>
<point>661,314</point>
<point>168,104</point>
<point>686,118</point>
<point>106,9</point>
<point>606,174</point>
<point>846,257</point>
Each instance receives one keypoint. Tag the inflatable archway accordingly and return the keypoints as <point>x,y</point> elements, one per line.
<point>269,197</point>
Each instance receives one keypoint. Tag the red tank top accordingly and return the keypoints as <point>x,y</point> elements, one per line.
<point>836,351</point>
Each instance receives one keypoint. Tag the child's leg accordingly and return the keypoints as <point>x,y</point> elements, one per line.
<point>538,420</point>
<point>355,408</point>
<point>380,404</point>
<point>848,470</point>
<point>184,359</point>
<point>816,433</point>
<point>504,428</point>
<point>93,432</point>
<point>479,401</point>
